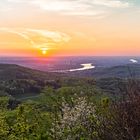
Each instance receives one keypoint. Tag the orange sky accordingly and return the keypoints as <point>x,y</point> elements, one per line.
<point>67,27</point>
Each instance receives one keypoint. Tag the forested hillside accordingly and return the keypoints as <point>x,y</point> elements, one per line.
<point>35,105</point>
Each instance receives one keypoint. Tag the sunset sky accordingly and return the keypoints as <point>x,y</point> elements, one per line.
<point>69,27</point>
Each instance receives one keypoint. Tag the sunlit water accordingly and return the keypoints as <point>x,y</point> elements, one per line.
<point>133,61</point>
<point>84,67</point>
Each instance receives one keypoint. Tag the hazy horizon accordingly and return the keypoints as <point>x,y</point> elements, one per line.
<point>87,56</point>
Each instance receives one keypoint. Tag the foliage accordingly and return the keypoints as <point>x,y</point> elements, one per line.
<point>69,108</point>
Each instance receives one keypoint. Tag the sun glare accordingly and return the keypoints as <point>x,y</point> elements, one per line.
<point>44,50</point>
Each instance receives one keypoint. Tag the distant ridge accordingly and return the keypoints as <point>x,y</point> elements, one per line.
<point>12,71</point>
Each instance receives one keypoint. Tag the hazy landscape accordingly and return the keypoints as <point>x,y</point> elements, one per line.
<point>65,98</point>
<point>68,63</point>
<point>69,70</point>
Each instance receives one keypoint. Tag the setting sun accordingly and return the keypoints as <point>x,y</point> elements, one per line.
<point>44,50</point>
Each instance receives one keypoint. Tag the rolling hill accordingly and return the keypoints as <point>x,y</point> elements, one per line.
<point>12,71</point>
<point>19,81</point>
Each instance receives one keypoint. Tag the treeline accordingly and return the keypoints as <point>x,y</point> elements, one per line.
<point>25,86</point>
<point>22,86</point>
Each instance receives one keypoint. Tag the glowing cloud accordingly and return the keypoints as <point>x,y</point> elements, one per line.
<point>42,39</point>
